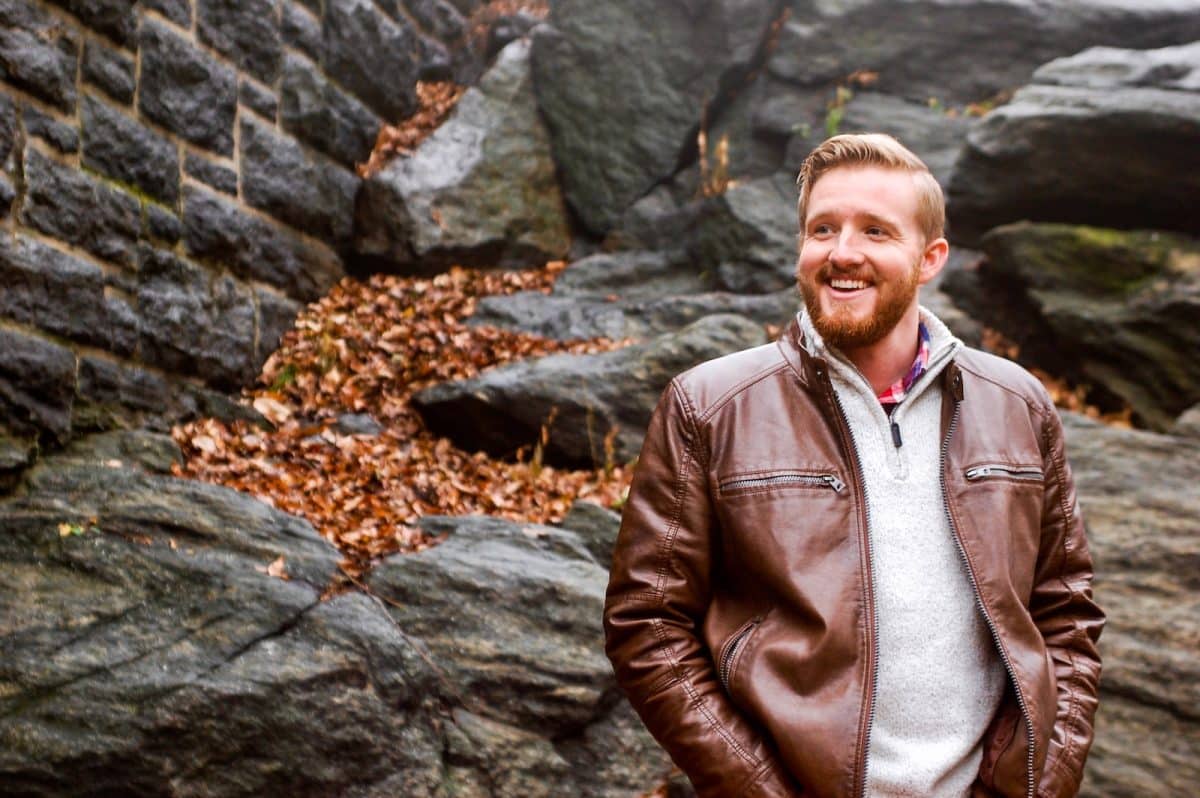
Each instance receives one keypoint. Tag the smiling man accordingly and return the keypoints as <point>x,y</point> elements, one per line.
<point>852,563</point>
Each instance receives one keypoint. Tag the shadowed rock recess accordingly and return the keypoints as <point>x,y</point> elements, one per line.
<point>178,176</point>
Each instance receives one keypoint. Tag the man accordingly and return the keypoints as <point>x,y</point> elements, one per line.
<point>851,562</point>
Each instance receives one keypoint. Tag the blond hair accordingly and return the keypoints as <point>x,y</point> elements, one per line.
<point>876,149</point>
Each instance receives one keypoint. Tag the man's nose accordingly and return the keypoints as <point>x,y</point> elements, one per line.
<point>845,252</point>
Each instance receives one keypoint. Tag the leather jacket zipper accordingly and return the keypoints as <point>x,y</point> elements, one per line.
<point>739,637</point>
<point>981,472</point>
<point>815,480</point>
<point>864,733</point>
<point>1001,470</point>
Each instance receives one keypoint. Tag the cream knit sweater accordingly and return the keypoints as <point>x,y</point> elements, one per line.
<point>940,679</point>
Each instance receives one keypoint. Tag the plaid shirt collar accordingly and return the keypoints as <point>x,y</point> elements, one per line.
<point>896,392</point>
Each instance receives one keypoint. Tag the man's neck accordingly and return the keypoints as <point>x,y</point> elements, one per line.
<point>890,358</point>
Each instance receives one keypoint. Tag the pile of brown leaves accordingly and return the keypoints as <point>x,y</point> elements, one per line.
<point>365,348</point>
<point>435,99</point>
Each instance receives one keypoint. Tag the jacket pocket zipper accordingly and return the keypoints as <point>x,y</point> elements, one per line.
<point>793,478</point>
<point>1030,473</point>
<point>731,648</point>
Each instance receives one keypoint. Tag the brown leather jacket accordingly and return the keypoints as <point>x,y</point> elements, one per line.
<point>752,663</point>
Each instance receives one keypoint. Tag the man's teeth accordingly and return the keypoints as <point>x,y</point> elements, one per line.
<point>848,285</point>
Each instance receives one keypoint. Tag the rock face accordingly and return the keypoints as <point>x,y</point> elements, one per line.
<point>1117,310</point>
<point>1146,548</point>
<point>147,628</point>
<point>1074,147</point>
<point>622,86</point>
<point>579,398</point>
<point>480,190</point>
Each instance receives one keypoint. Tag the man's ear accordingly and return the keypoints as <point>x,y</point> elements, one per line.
<point>933,260</point>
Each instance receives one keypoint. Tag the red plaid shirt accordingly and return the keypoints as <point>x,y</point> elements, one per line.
<point>895,393</point>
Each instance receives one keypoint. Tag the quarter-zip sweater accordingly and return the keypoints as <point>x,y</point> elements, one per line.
<point>939,679</point>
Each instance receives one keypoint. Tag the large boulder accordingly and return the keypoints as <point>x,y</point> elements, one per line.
<point>167,637</point>
<point>623,85</point>
<point>962,51</point>
<point>577,400</point>
<point>1114,309</point>
<point>1110,138</point>
<point>1139,499</point>
<point>481,190</point>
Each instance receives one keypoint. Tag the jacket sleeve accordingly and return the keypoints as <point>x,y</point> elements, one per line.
<point>658,592</point>
<point>1067,616</point>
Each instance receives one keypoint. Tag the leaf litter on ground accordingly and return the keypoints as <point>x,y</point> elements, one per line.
<point>365,348</point>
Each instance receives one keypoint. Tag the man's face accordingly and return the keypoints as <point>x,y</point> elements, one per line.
<point>863,254</point>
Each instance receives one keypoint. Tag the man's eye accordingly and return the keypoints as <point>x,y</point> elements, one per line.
<point>876,232</point>
<point>821,230</point>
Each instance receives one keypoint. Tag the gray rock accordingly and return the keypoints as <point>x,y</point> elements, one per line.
<point>8,131</point>
<point>1075,153</point>
<point>481,190</point>
<point>258,99</point>
<point>628,275</point>
<point>218,231</point>
<point>1137,491</point>
<point>948,49</point>
<point>185,90</point>
<point>746,236</point>
<point>588,395</point>
<point>246,31</point>
<point>178,11</point>
<point>195,322</point>
<point>360,46</point>
<point>358,424</point>
<point>37,53</point>
<point>279,177</point>
<point>934,136</point>
<point>118,146</point>
<point>37,385</point>
<point>439,18</point>
<point>301,29</point>
<point>1112,309</point>
<point>114,18</point>
<point>597,526</point>
<point>111,394</point>
<point>62,136</point>
<point>1188,423</point>
<point>276,315</point>
<point>62,294</point>
<point>316,111</point>
<point>211,173</point>
<point>79,209</point>
<point>110,70</point>
<point>1114,68</point>
<point>622,85</point>
<point>161,224</point>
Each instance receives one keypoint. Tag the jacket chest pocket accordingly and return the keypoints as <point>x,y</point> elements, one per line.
<point>1018,473</point>
<point>1000,508</point>
<point>788,479</point>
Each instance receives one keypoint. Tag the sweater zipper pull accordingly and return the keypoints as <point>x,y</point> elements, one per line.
<point>896,439</point>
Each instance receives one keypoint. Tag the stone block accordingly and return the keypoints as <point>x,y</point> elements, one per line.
<point>185,90</point>
<point>301,29</point>
<point>110,394</point>
<point>260,100</point>
<point>38,53</point>
<point>361,45</point>
<point>162,224</point>
<point>8,193</point>
<point>62,294</point>
<point>114,18</point>
<point>109,70</point>
<point>245,31</point>
<point>222,178</point>
<point>8,130</point>
<point>276,315</point>
<point>37,384</point>
<point>439,18</point>
<point>77,208</point>
<point>307,192</point>
<point>178,11</point>
<point>322,115</point>
<point>195,322</point>
<point>218,230</point>
<point>125,150</point>
<point>62,136</point>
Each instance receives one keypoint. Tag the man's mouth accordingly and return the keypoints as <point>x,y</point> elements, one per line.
<point>843,284</point>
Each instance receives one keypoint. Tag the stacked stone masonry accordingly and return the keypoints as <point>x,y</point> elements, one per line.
<point>176,178</point>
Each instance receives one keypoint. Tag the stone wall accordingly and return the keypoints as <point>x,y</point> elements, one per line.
<point>176,178</point>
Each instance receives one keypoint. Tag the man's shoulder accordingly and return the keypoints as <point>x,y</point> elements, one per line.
<point>995,373</point>
<point>711,383</point>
